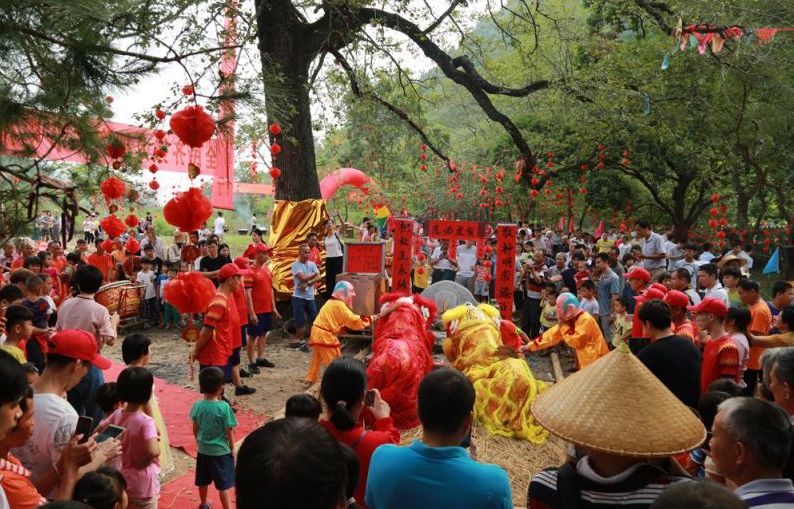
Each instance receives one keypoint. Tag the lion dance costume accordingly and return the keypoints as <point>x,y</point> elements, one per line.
<point>503,382</point>
<point>402,354</point>
<point>578,329</point>
<point>334,317</point>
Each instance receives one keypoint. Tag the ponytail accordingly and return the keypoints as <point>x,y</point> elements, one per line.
<point>341,418</point>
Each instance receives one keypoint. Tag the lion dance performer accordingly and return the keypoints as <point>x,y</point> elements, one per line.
<point>402,349</point>
<point>578,329</point>
<point>503,382</point>
<point>334,317</point>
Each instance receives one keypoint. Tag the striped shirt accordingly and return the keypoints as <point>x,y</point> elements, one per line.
<point>635,488</point>
<point>767,494</point>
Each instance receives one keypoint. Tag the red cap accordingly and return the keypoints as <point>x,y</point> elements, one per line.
<point>639,273</point>
<point>710,305</point>
<point>77,344</point>
<point>228,270</point>
<point>262,248</point>
<point>660,287</point>
<point>650,294</point>
<point>676,299</point>
<point>241,262</point>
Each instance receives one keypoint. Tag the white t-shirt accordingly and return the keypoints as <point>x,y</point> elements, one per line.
<point>3,499</point>
<point>220,223</point>
<point>717,292</point>
<point>467,258</point>
<point>55,422</point>
<point>147,279</point>
<point>333,246</point>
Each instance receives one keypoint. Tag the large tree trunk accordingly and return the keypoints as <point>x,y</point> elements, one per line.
<point>285,68</point>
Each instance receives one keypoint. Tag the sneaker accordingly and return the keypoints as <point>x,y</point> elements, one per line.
<point>243,390</point>
<point>305,348</point>
<point>254,369</point>
<point>244,373</point>
<point>265,363</point>
<point>205,506</point>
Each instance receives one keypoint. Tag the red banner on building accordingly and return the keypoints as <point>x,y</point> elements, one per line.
<point>504,284</point>
<point>364,257</point>
<point>401,261</point>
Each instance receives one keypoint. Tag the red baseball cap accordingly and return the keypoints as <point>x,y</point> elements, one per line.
<point>262,248</point>
<point>710,305</point>
<point>242,263</point>
<point>650,294</point>
<point>639,273</point>
<point>228,270</point>
<point>660,287</point>
<point>676,299</point>
<point>77,344</point>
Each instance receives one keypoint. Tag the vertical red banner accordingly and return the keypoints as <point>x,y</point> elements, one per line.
<point>505,268</point>
<point>401,261</point>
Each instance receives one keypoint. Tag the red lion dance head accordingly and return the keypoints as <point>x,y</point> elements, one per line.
<point>402,354</point>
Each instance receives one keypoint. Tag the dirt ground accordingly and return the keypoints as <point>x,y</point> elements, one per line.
<point>273,386</point>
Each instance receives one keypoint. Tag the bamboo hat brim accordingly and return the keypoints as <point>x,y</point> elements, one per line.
<point>730,257</point>
<point>616,405</point>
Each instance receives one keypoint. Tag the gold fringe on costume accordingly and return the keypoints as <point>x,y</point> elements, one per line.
<point>504,384</point>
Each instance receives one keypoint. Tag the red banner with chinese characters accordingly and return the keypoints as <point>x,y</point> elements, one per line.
<point>505,268</point>
<point>364,257</point>
<point>401,261</point>
<point>453,231</point>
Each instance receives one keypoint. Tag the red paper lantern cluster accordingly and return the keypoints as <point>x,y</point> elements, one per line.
<point>132,246</point>
<point>112,188</point>
<point>423,157</point>
<point>193,126</point>
<point>112,226</point>
<point>159,114</point>
<point>190,292</point>
<point>188,210</point>
<point>108,245</point>
<point>115,149</point>
<point>131,221</point>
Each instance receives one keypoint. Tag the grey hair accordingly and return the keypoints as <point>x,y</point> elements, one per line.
<point>768,358</point>
<point>784,365</point>
<point>761,426</point>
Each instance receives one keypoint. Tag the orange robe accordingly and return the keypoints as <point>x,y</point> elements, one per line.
<point>583,335</point>
<point>334,317</point>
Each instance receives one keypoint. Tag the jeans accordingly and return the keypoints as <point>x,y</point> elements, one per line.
<point>83,396</point>
<point>303,311</point>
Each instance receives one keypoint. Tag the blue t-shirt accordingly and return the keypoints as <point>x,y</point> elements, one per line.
<point>608,284</point>
<point>306,268</point>
<point>420,477</point>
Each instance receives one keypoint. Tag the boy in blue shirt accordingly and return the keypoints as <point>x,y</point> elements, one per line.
<point>213,427</point>
<point>436,473</point>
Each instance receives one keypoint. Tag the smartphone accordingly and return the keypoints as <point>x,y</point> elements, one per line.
<point>369,398</point>
<point>83,427</point>
<point>110,432</point>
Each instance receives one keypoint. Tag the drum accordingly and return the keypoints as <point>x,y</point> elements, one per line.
<point>130,304</point>
<point>110,295</point>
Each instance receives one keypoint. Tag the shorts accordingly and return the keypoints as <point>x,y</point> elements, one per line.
<point>303,311</point>
<point>264,324</point>
<point>234,360</point>
<point>243,333</point>
<point>215,469</point>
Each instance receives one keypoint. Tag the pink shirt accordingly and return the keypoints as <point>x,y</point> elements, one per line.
<point>85,314</point>
<point>141,482</point>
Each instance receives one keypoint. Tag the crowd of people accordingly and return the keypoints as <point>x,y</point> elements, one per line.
<point>696,324</point>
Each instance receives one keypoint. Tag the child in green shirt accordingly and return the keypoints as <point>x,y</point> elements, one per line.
<point>213,427</point>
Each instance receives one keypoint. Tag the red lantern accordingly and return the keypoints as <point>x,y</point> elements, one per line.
<point>723,222</point>
<point>112,188</point>
<point>132,246</point>
<point>547,191</point>
<point>459,196</point>
<point>583,190</point>
<point>188,210</point>
<point>108,245</point>
<point>601,157</point>
<point>715,198</point>
<point>160,114</point>
<point>423,157</point>
<point>154,185</point>
<point>498,202</point>
<point>420,270</point>
<point>712,223</point>
<point>274,129</point>
<point>275,172</point>
<point>159,134</point>
<point>600,166</point>
<point>115,149</point>
<point>193,126</point>
<point>112,226</point>
<point>601,148</point>
<point>498,189</point>
<point>714,212</point>
<point>131,220</point>
<point>190,292</point>
<point>549,155</point>
<point>533,193</point>
<point>275,149</point>
<point>153,168</point>
<point>188,90</point>
<point>423,167</point>
<point>159,153</point>
<point>483,192</point>
<point>109,99</point>
<point>534,181</point>
<point>423,147</point>
<point>720,234</point>
<point>583,166</point>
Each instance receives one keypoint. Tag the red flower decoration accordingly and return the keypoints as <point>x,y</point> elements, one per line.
<point>275,172</point>
<point>712,223</point>
<point>720,234</point>
<point>115,149</point>
<point>714,212</point>
<point>153,168</point>
<point>275,149</point>
<point>188,90</point>
<point>190,292</point>
<point>154,185</point>
<point>423,167</point>
<point>112,226</point>
<point>112,188</point>
<point>160,114</point>
<point>423,156</point>
<point>193,126</point>
<point>132,246</point>
<point>533,193</point>
<point>274,129</point>
<point>131,221</point>
<point>159,134</point>
<point>188,210</point>
<point>534,181</point>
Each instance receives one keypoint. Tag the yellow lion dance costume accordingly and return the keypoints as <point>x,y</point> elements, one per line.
<point>503,382</point>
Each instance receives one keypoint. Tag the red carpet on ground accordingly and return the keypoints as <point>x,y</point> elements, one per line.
<point>182,494</point>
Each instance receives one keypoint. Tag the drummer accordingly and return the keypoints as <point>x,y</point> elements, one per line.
<point>84,313</point>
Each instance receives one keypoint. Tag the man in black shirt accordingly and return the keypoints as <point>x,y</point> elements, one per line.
<point>212,263</point>
<point>157,263</point>
<point>675,360</point>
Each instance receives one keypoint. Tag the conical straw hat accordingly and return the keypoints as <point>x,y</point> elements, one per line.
<point>617,405</point>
